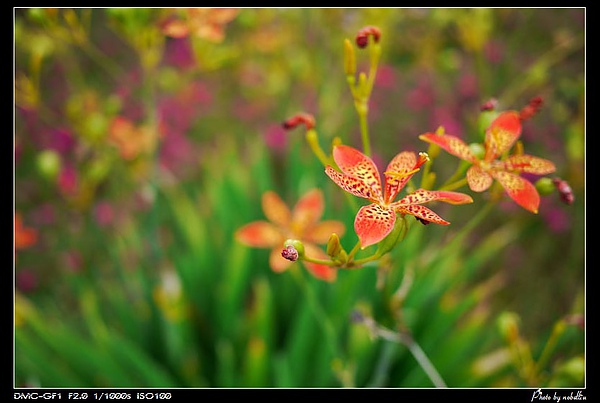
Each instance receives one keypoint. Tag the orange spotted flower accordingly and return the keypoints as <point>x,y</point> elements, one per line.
<point>500,136</point>
<point>302,224</point>
<point>361,178</point>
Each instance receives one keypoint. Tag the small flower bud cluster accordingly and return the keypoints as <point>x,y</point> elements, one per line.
<point>290,253</point>
<point>565,191</point>
<point>362,37</point>
<point>531,109</point>
<point>298,119</point>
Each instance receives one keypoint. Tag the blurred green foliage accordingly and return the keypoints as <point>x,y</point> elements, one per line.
<point>138,155</point>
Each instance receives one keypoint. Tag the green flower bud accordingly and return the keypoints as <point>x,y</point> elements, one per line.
<point>49,164</point>
<point>349,59</point>
<point>477,149</point>
<point>545,186</point>
<point>508,323</point>
<point>298,245</point>
<point>334,247</point>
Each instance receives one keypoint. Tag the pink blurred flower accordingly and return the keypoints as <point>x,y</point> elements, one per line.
<point>179,53</point>
<point>445,117</point>
<point>104,213</point>
<point>26,280</point>
<point>275,137</point>
<point>386,76</point>
<point>421,97</point>
<point>68,180</point>
<point>44,214</point>
<point>468,86</point>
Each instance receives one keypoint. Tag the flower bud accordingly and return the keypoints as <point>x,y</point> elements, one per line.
<point>531,109</point>
<point>336,251</point>
<point>297,245</point>
<point>565,191</point>
<point>48,163</point>
<point>290,253</point>
<point>334,246</point>
<point>349,59</point>
<point>489,105</point>
<point>362,37</point>
<point>477,149</point>
<point>508,323</point>
<point>301,118</point>
<point>545,186</point>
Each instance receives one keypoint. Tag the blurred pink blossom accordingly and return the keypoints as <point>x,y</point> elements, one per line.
<point>179,53</point>
<point>26,280</point>
<point>276,137</point>
<point>104,213</point>
<point>67,179</point>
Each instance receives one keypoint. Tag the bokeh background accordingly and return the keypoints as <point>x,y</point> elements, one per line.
<point>145,137</point>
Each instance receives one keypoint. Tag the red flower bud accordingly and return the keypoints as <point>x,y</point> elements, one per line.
<point>290,253</point>
<point>531,109</point>
<point>301,118</point>
<point>565,191</point>
<point>362,37</point>
<point>489,105</point>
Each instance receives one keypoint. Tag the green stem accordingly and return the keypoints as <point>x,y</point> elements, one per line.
<point>458,174</point>
<point>407,340</point>
<point>468,227</point>
<point>364,132</point>
<point>557,331</point>
<point>353,251</point>
<point>455,185</point>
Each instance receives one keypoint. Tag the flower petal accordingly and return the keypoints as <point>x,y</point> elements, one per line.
<point>275,209</point>
<point>373,223</point>
<point>519,189</point>
<point>478,179</point>
<point>357,165</point>
<point>529,164</point>
<point>451,144</point>
<point>502,134</point>
<point>352,185</point>
<point>321,232</point>
<point>277,262</point>
<point>320,271</point>
<point>421,196</point>
<point>421,212</point>
<point>259,234</point>
<point>307,211</point>
<point>400,166</point>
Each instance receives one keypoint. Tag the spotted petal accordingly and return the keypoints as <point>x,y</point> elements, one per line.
<point>421,212</point>
<point>354,186</point>
<point>373,223</point>
<point>451,144</point>
<point>529,164</point>
<point>478,179</point>
<point>399,171</point>
<point>422,196</point>
<point>259,234</point>
<point>519,189</point>
<point>502,134</point>
<point>275,209</point>
<point>357,165</point>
